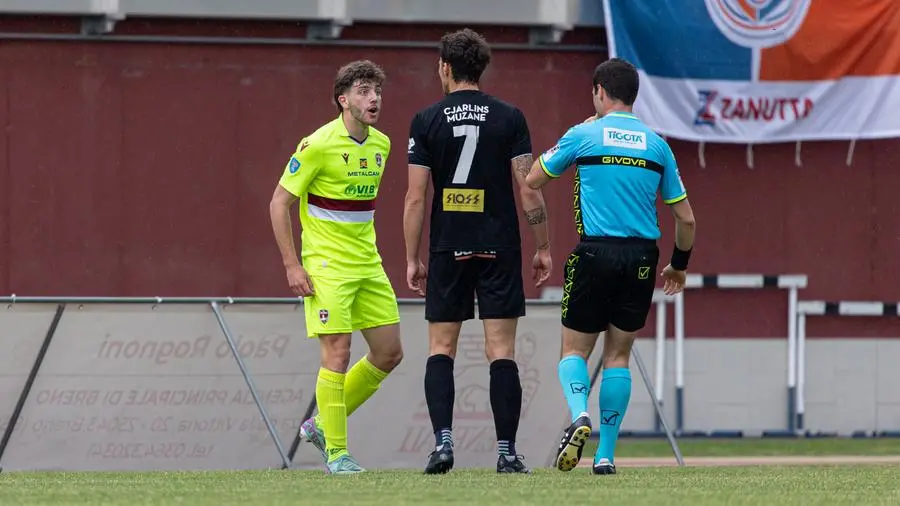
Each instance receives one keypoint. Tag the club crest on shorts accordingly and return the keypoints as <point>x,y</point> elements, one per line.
<point>323,316</point>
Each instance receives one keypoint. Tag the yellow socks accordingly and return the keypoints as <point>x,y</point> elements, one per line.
<point>333,412</point>
<point>360,383</point>
<point>363,380</point>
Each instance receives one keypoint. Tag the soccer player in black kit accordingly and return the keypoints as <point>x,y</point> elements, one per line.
<point>467,145</point>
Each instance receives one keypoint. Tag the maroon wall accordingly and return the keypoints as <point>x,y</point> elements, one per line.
<point>146,169</point>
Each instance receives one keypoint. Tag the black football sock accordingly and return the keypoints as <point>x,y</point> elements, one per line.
<point>506,403</point>
<point>439,395</point>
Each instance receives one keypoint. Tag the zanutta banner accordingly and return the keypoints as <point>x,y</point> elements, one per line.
<point>756,71</point>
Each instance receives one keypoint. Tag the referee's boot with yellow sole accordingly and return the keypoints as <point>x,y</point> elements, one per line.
<point>571,445</point>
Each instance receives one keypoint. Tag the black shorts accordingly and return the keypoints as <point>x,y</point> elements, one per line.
<point>609,281</point>
<point>455,278</point>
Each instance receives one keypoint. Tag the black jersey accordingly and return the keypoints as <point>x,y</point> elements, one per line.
<point>468,140</point>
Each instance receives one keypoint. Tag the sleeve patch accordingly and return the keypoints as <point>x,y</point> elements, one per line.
<point>550,152</point>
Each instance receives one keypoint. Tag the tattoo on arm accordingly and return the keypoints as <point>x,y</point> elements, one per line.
<point>536,216</point>
<point>522,164</point>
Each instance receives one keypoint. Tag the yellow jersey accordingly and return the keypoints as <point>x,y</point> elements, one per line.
<point>336,179</point>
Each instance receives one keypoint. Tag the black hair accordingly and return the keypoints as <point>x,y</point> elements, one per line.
<point>619,79</point>
<point>467,53</point>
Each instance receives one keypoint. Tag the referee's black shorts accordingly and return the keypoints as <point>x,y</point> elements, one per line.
<point>609,280</point>
<point>455,278</point>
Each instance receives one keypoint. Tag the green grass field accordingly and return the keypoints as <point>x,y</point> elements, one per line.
<point>782,485</point>
<point>752,447</point>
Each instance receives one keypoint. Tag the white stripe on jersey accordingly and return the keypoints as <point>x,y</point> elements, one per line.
<point>342,216</point>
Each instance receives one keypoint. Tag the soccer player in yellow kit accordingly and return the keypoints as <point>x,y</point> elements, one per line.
<point>334,174</point>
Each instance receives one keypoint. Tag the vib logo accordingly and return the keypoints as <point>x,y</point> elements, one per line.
<point>758,23</point>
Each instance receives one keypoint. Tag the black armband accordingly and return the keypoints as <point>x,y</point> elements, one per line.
<point>680,258</point>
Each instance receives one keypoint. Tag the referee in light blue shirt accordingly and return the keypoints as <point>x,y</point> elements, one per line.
<point>620,165</point>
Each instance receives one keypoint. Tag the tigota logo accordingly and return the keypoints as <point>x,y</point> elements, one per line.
<point>715,107</point>
<point>624,138</point>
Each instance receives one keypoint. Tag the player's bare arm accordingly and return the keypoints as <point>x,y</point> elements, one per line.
<point>685,229</point>
<point>413,219</point>
<point>280,214</point>
<point>532,201</point>
<point>536,214</point>
<point>685,225</point>
<point>536,178</point>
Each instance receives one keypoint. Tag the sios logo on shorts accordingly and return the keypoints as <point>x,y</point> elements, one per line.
<point>364,191</point>
<point>624,138</point>
<point>470,201</point>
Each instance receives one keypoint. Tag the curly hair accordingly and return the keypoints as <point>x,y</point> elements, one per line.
<point>619,79</point>
<point>467,53</point>
<point>363,71</point>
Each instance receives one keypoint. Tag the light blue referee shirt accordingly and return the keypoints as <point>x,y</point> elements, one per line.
<point>620,164</point>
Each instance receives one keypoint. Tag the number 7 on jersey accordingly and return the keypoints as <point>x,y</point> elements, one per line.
<point>464,164</point>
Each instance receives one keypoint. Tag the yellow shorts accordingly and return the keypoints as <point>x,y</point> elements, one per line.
<point>341,306</point>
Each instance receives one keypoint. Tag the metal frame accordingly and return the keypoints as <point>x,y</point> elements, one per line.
<point>295,445</point>
<point>790,282</point>
<point>823,308</point>
<point>662,417</point>
<point>15,299</point>
<point>249,380</point>
<point>29,382</point>
<point>213,303</point>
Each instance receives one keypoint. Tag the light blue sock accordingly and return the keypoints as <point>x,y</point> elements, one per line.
<point>615,392</point>
<point>573,376</point>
